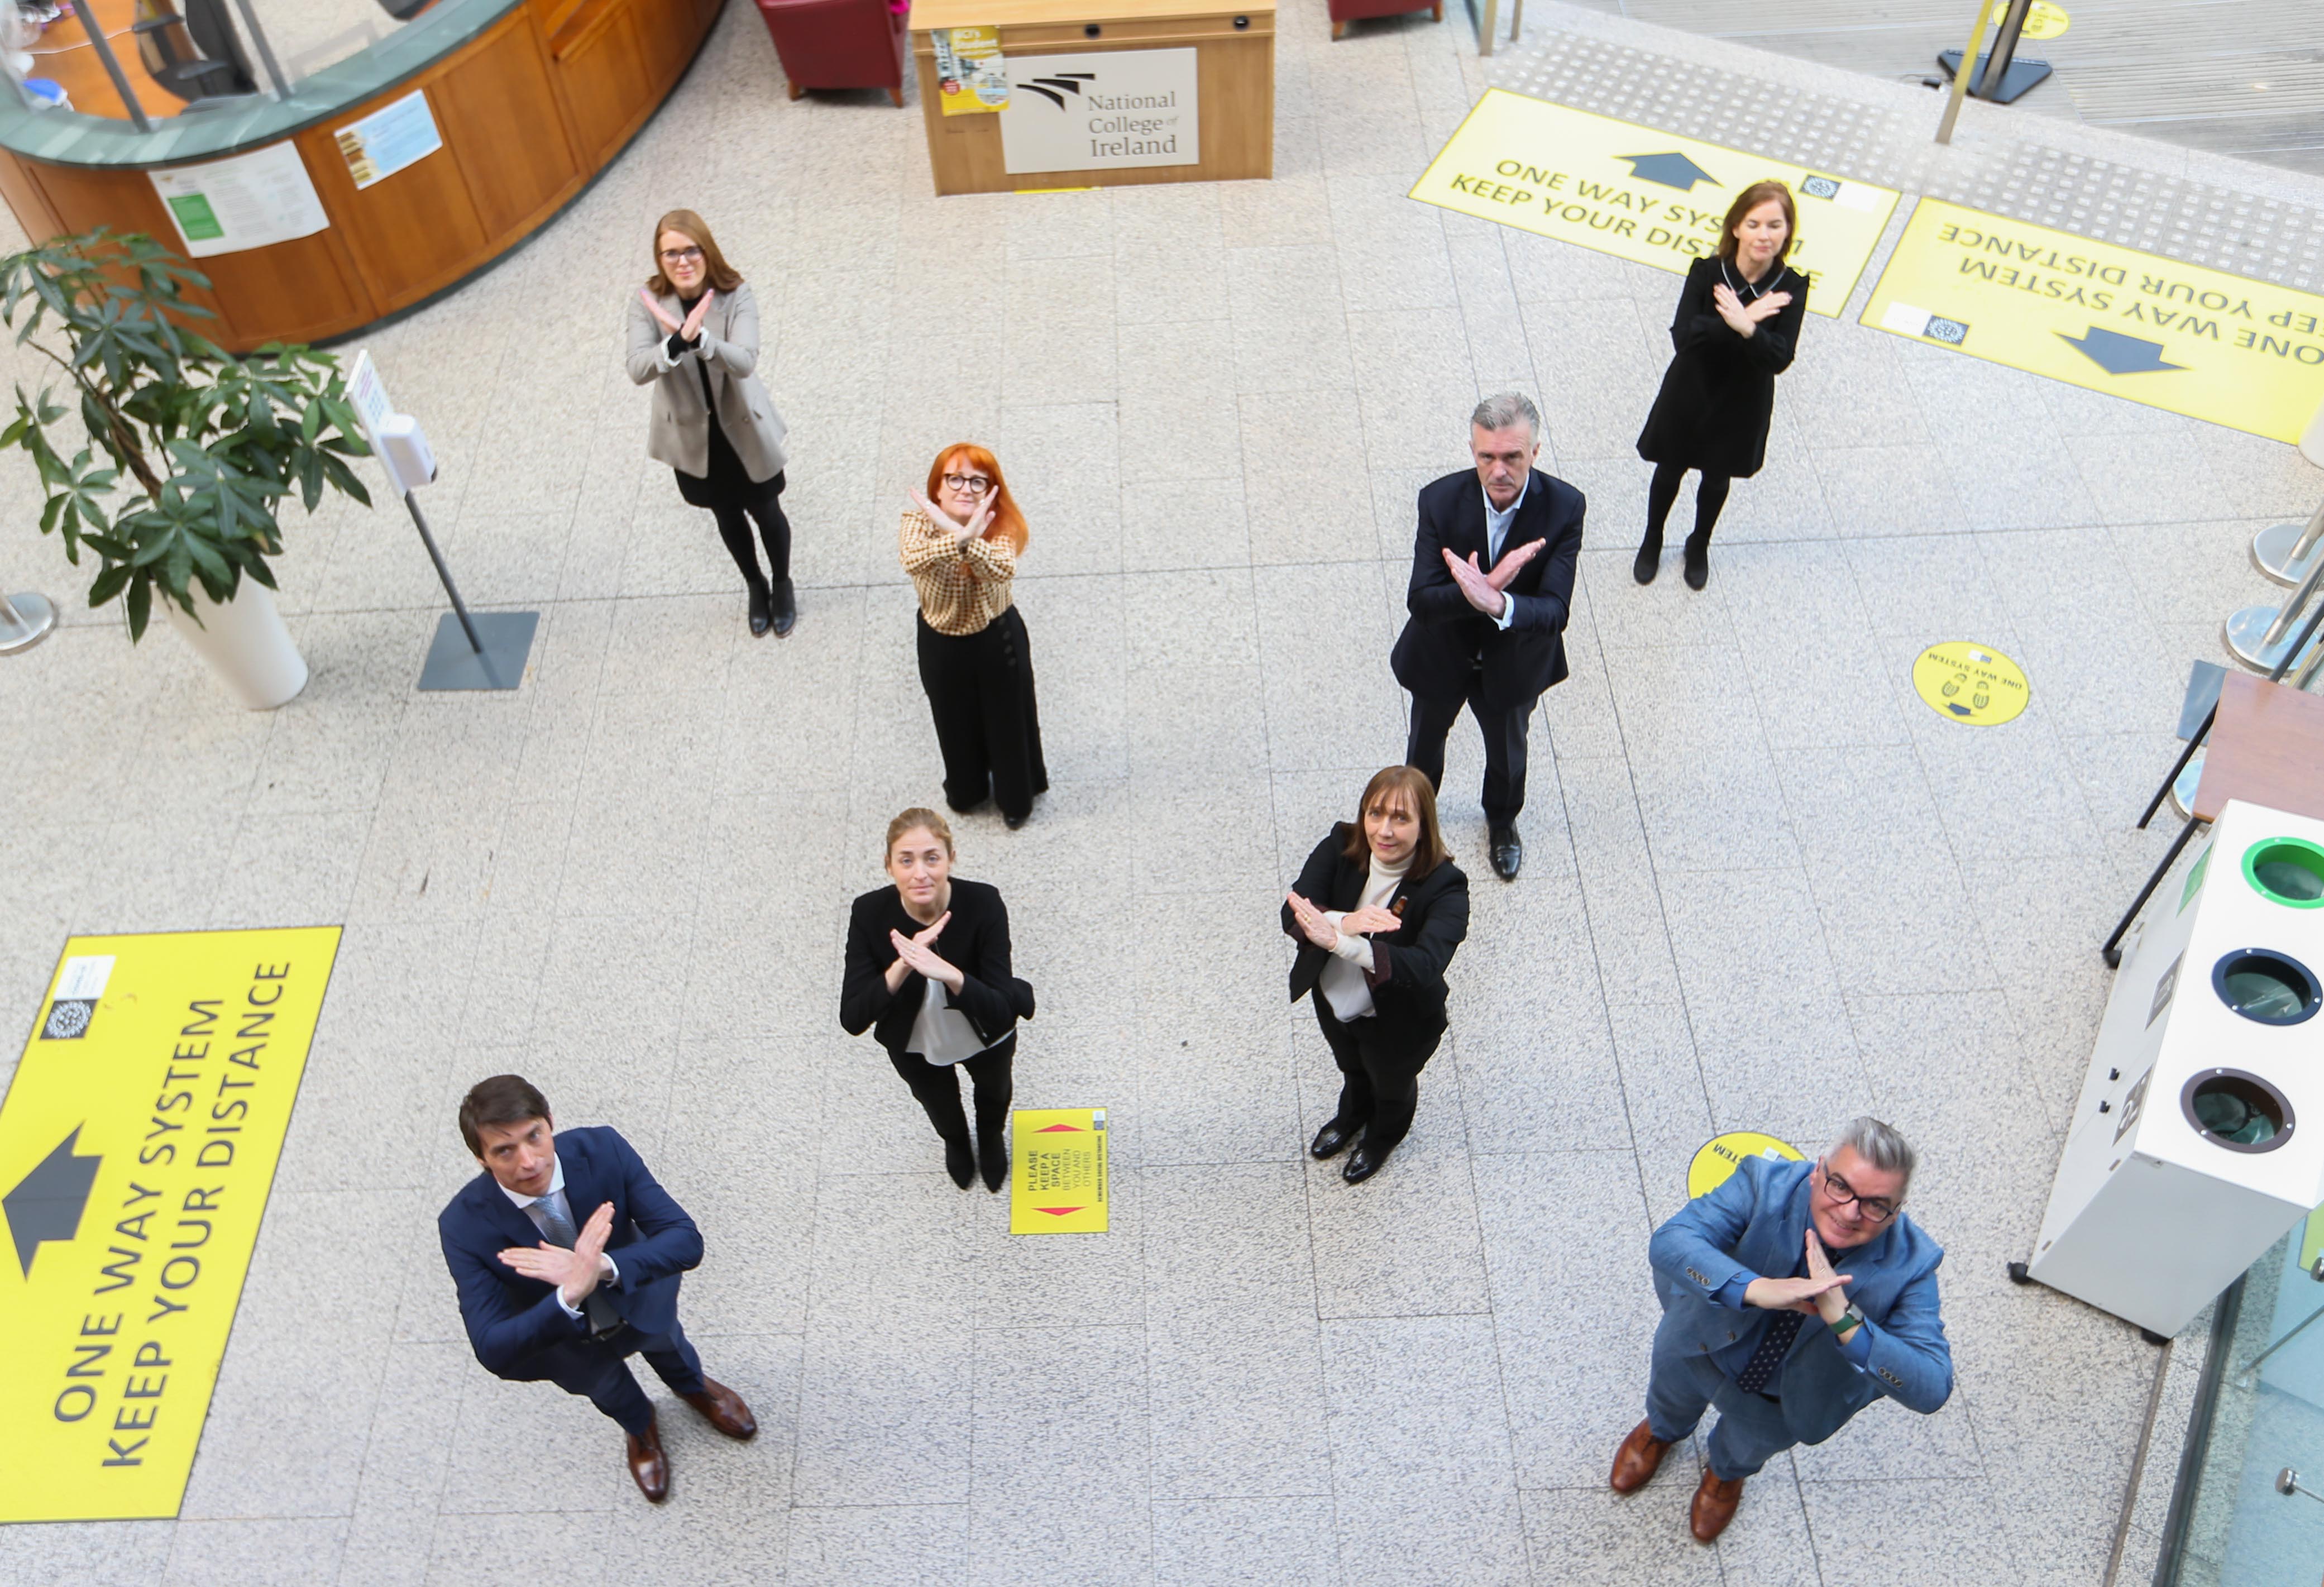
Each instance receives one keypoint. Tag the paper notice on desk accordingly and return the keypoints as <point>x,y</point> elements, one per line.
<point>971,78</point>
<point>249,202</point>
<point>389,139</point>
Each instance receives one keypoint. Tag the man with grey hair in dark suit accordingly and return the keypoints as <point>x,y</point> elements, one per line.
<point>1492,585</point>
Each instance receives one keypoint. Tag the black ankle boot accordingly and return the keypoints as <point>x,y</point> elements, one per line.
<point>785,609</point>
<point>960,1161</point>
<point>1698,560</point>
<point>759,618</point>
<point>993,1156</point>
<point>1650,556</point>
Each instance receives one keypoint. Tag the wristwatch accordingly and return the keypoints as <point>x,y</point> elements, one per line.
<point>1851,1318</point>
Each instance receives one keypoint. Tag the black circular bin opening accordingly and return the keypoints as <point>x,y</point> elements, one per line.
<point>2264,986</point>
<point>2237,1110</point>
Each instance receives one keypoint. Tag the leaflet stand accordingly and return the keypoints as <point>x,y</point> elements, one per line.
<point>25,621</point>
<point>479,651</point>
<point>2001,78</point>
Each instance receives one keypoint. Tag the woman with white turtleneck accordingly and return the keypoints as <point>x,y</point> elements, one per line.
<point>1378,912</point>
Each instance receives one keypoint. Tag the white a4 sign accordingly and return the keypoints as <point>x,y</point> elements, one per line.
<point>1102,111</point>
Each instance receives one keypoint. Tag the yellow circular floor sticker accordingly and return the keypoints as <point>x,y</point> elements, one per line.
<point>1716,1163</point>
<point>2042,20</point>
<point>1972,684</point>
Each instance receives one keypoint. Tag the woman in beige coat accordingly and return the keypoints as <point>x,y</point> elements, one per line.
<point>693,337</point>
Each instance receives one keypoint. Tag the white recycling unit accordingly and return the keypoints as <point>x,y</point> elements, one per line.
<point>2198,1138</point>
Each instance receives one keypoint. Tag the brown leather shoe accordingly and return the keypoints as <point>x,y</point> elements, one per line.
<point>648,1465</point>
<point>724,1410</point>
<point>1637,1461</point>
<point>1714,1505</point>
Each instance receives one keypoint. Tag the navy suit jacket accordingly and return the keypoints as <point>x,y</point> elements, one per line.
<point>514,1323</point>
<point>1758,1222</point>
<point>1446,637</point>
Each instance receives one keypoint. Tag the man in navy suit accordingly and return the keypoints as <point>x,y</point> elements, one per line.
<point>1758,1321</point>
<point>1492,583</point>
<point>567,1255</point>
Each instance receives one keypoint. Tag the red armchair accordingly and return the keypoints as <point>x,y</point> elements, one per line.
<point>1344,12</point>
<point>839,43</point>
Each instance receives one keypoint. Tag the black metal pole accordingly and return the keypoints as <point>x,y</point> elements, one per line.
<point>445,573</point>
<point>2005,50</point>
<point>2113,954</point>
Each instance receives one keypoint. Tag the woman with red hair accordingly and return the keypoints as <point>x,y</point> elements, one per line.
<point>960,541</point>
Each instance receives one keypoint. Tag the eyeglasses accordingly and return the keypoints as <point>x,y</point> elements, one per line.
<point>682,255</point>
<point>974,484</point>
<point>1878,1209</point>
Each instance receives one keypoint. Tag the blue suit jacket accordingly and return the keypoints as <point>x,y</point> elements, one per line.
<point>514,1323</point>
<point>1758,1222</point>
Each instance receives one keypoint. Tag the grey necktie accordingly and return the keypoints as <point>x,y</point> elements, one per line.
<point>597,1306</point>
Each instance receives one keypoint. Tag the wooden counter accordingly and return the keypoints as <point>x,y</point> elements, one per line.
<point>1234,48</point>
<point>530,110</point>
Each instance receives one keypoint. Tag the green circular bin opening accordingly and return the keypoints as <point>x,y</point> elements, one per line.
<point>2237,1110</point>
<point>2287,870</point>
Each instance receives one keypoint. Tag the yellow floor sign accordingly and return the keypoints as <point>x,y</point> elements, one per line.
<point>137,1145</point>
<point>1060,1174</point>
<point>1717,1161</point>
<point>1642,195</point>
<point>2223,348</point>
<point>1970,683</point>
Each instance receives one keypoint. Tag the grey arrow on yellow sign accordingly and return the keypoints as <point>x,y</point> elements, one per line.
<point>2224,348</point>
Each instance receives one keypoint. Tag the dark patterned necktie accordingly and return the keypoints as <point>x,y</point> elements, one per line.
<point>1765,1362</point>
<point>597,1306</point>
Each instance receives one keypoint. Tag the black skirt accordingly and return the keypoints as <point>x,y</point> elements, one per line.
<point>729,484</point>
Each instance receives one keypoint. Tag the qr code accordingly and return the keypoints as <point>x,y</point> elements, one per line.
<point>68,1018</point>
<point>1946,330</point>
<point>1820,187</point>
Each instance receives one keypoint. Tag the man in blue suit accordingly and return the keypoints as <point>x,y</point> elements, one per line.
<point>1758,1321</point>
<point>567,1255</point>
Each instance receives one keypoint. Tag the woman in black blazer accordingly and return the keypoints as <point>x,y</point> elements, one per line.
<point>1736,326</point>
<point>1378,913</point>
<point>928,974</point>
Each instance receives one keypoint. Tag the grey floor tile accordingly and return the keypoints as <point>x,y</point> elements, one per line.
<point>256,1551</point>
<point>1214,1541</point>
<point>1592,1535</point>
<point>1404,1243</point>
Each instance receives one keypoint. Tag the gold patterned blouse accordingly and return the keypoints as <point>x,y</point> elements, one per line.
<point>960,587</point>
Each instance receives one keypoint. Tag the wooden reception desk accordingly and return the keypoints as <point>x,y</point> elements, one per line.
<point>1232,81</point>
<point>531,99</point>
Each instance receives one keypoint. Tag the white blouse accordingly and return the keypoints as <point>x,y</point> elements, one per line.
<point>1343,983</point>
<point>941,1033</point>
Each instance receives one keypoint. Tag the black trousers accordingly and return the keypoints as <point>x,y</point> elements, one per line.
<point>938,1089</point>
<point>734,516</point>
<point>1505,745</point>
<point>601,1371</point>
<point>1379,1081</point>
<point>980,689</point>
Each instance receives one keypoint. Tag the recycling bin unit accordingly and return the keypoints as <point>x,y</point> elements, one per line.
<point>2198,1138</point>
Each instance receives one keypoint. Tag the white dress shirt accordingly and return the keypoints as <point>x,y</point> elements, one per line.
<point>941,1033</point>
<point>1343,983</point>
<point>555,1199</point>
<point>1496,533</point>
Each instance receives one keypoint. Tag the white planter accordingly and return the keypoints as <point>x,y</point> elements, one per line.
<point>247,645</point>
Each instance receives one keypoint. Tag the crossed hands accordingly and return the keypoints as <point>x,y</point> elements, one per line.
<point>1484,589</point>
<point>918,952</point>
<point>1319,929</point>
<point>685,332</point>
<point>575,1272</point>
<point>962,532</point>
<point>1818,1294</point>
<point>1743,317</point>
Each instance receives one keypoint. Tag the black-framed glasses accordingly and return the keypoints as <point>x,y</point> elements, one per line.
<point>974,484</point>
<point>682,255</point>
<point>1877,1208</point>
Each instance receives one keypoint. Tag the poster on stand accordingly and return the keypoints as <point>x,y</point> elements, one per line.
<point>972,77</point>
<point>249,202</point>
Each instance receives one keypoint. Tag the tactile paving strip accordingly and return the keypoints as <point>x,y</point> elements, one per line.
<point>2179,219</point>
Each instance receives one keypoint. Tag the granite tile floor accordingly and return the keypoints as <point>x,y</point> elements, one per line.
<point>1766,886</point>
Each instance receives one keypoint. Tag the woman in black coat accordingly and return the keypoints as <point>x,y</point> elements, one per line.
<point>927,973</point>
<point>1378,913</point>
<point>1736,326</point>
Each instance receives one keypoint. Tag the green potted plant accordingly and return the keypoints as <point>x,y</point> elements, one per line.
<point>186,452</point>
